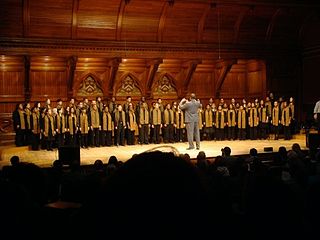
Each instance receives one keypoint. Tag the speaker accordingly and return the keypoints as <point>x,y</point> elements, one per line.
<point>69,154</point>
<point>313,140</point>
<point>268,149</point>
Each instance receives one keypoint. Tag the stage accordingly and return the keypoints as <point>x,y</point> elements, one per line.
<point>45,158</point>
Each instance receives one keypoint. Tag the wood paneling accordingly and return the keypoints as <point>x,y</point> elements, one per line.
<point>11,78</point>
<point>46,84</point>
<point>234,86</point>
<point>50,18</point>
<point>141,18</point>
<point>155,20</point>
<point>257,18</point>
<point>98,19</point>
<point>11,18</point>
<point>182,16</point>
<point>48,78</point>
<point>203,83</point>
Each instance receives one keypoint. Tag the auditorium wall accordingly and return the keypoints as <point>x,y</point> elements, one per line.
<point>37,78</point>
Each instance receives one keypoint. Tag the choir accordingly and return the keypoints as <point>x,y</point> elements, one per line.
<point>95,123</point>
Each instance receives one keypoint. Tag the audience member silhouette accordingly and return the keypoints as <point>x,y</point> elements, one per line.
<point>154,195</point>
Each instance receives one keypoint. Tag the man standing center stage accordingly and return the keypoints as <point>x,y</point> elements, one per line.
<point>191,119</point>
<point>316,113</point>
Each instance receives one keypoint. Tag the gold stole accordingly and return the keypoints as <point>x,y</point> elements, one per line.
<point>275,116</point>
<point>61,123</point>
<point>220,124</point>
<point>291,106</point>
<point>156,117</point>
<point>95,118</point>
<point>231,119</point>
<point>84,123</point>
<point>70,122</point>
<point>285,118</point>
<point>208,115</point>
<point>269,108</point>
<point>28,117</point>
<point>242,119</point>
<point>117,117</point>
<point>35,123</point>
<point>253,117</point>
<point>132,121</point>
<point>200,122</point>
<point>168,116</point>
<point>107,121</point>
<point>144,116</point>
<point>179,120</point>
<point>22,121</point>
<point>262,114</point>
<point>46,125</point>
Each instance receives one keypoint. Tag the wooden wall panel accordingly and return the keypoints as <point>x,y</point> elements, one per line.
<point>8,107</point>
<point>182,22</point>
<point>203,84</point>
<point>11,84</point>
<point>221,19</point>
<point>141,21</point>
<point>234,86</point>
<point>258,17</point>
<point>255,84</point>
<point>46,84</point>
<point>98,20</point>
<point>50,18</point>
<point>11,18</point>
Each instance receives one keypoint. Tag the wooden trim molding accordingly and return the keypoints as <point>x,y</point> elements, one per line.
<point>112,49</point>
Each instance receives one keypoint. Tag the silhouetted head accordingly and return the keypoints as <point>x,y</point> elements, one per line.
<point>14,160</point>
<point>113,160</point>
<point>253,152</point>
<point>98,164</point>
<point>226,151</point>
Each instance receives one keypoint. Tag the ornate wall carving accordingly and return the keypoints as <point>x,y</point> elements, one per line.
<point>164,87</point>
<point>129,87</point>
<point>89,87</point>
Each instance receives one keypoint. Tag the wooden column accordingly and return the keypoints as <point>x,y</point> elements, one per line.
<point>189,69</point>
<point>114,65</point>
<point>71,67</point>
<point>152,68</point>
<point>225,67</point>
<point>27,87</point>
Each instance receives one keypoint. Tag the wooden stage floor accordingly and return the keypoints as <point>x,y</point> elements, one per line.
<point>45,158</point>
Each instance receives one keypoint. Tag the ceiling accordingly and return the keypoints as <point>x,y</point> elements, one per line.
<point>158,21</point>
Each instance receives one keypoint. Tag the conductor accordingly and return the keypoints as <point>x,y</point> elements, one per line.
<point>191,119</point>
<point>316,113</point>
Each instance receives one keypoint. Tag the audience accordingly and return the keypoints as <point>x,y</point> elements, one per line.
<point>161,194</point>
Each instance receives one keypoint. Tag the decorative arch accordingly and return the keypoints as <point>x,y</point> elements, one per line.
<point>164,86</point>
<point>272,23</point>
<point>128,86</point>
<point>90,85</point>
